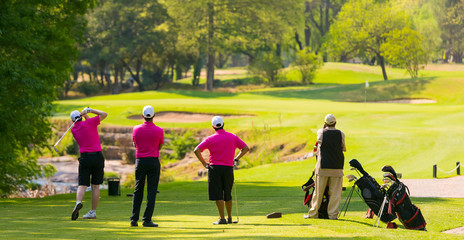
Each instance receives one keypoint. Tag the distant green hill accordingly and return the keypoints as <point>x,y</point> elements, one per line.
<point>281,123</point>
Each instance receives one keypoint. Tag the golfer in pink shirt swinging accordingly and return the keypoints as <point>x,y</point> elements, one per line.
<point>222,146</point>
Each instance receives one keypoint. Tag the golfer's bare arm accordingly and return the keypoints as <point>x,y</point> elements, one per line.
<point>197,152</point>
<point>242,152</point>
<point>101,114</point>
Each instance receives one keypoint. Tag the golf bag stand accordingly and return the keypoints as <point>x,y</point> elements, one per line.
<point>309,188</point>
<point>372,194</point>
<point>409,214</point>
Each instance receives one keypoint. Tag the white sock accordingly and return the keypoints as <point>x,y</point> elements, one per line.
<point>78,201</point>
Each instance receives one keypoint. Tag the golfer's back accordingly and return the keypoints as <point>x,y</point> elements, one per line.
<point>222,146</point>
<point>147,138</point>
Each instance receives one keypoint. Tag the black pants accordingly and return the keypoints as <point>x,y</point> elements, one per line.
<point>148,168</point>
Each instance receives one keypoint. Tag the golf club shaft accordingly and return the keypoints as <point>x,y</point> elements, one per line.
<point>381,210</point>
<point>236,203</point>
<point>64,134</point>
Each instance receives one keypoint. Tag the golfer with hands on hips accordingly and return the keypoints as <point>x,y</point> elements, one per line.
<point>148,140</point>
<point>91,161</point>
<point>222,146</point>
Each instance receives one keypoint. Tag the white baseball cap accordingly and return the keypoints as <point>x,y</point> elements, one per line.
<point>75,115</point>
<point>148,112</point>
<point>330,119</point>
<point>217,122</point>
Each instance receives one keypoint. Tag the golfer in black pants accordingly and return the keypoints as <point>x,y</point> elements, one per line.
<point>148,140</point>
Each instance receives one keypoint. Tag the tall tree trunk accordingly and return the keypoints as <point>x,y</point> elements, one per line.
<point>307,30</point>
<point>210,49</point>
<point>138,68</point>
<point>297,39</point>
<point>382,65</point>
<point>115,89</point>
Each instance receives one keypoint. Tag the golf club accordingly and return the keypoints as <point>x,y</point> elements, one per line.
<point>236,203</point>
<point>54,146</point>
<point>377,221</point>
<point>388,168</point>
<point>354,163</point>
<point>351,178</point>
<point>389,176</point>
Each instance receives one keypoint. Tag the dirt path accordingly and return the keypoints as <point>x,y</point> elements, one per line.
<point>436,188</point>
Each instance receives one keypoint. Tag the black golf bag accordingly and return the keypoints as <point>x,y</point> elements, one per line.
<point>408,213</point>
<point>309,188</point>
<point>372,194</point>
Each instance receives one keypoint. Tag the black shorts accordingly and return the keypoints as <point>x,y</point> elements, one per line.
<point>220,182</point>
<point>91,164</point>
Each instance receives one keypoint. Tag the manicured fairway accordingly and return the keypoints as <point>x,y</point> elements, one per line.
<point>183,212</point>
<point>411,138</point>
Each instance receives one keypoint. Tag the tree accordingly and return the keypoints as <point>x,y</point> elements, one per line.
<point>246,26</point>
<point>404,49</point>
<point>120,33</point>
<point>308,63</point>
<point>318,16</point>
<point>451,15</point>
<point>37,45</point>
<point>362,27</point>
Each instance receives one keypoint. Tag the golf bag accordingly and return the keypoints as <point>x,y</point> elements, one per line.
<point>309,188</point>
<point>408,213</point>
<point>372,194</point>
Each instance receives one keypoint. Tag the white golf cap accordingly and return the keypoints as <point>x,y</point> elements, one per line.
<point>148,112</point>
<point>75,115</point>
<point>330,119</point>
<point>217,122</point>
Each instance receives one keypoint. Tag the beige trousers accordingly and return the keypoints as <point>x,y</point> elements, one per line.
<point>335,195</point>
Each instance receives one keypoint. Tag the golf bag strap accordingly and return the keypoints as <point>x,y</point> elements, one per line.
<point>413,217</point>
<point>391,203</point>
<point>402,198</point>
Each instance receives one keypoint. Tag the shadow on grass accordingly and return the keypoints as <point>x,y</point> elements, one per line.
<point>182,209</point>
<point>377,91</point>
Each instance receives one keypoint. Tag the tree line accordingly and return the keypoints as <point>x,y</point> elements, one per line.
<point>157,41</point>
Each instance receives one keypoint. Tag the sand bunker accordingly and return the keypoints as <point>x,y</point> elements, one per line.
<point>185,117</point>
<point>409,101</point>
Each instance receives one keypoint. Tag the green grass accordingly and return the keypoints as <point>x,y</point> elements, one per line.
<point>411,138</point>
<point>183,211</point>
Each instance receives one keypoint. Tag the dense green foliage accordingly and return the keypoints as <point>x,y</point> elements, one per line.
<point>37,45</point>
<point>308,63</point>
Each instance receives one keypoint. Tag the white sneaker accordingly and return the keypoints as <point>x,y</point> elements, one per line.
<point>90,215</point>
<point>306,216</point>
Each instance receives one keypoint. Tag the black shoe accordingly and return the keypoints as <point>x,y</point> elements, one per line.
<point>149,224</point>
<point>229,220</point>
<point>134,224</point>
<point>220,221</point>
<point>75,213</point>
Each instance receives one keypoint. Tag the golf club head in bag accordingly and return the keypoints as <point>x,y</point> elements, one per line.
<point>351,178</point>
<point>388,168</point>
<point>390,176</point>
<point>355,163</point>
<point>400,203</point>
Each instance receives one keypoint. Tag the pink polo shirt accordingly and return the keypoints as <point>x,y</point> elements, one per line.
<point>86,134</point>
<point>221,146</point>
<point>147,138</point>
